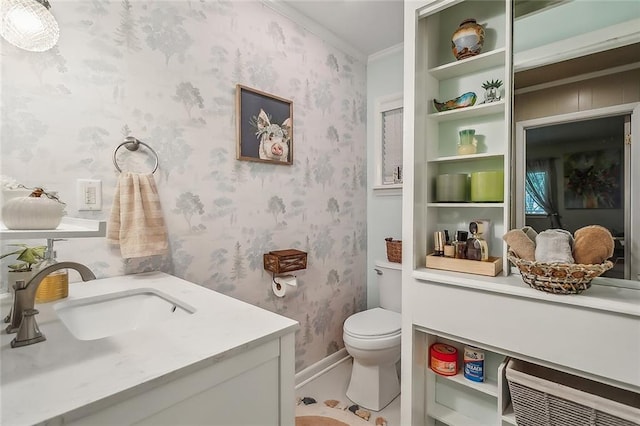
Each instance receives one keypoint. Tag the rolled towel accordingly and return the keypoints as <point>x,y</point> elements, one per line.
<point>594,244</point>
<point>531,233</point>
<point>520,244</point>
<point>554,246</point>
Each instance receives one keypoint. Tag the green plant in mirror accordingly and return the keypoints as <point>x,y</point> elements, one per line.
<point>28,257</point>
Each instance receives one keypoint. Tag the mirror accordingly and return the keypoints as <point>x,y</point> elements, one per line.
<point>575,177</point>
<point>573,105</point>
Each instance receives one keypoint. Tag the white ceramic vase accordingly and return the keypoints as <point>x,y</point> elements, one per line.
<point>32,213</point>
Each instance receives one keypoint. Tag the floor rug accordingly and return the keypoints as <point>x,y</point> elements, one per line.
<point>319,414</point>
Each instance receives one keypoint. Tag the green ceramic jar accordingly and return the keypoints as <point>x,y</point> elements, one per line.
<point>487,186</point>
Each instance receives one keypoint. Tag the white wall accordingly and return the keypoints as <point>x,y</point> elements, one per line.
<point>384,212</point>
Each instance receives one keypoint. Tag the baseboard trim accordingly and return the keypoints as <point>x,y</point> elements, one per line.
<point>321,367</point>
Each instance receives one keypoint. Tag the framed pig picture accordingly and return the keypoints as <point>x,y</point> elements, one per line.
<point>264,125</point>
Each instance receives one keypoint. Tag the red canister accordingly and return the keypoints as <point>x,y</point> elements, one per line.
<point>444,359</point>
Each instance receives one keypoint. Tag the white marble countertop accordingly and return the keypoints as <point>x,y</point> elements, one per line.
<point>44,381</point>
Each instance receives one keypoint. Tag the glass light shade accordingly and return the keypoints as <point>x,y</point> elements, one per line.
<point>28,24</point>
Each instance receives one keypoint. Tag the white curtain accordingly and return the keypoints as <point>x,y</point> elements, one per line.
<point>543,189</point>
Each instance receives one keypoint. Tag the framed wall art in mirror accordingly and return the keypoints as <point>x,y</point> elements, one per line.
<point>593,179</point>
<point>264,127</point>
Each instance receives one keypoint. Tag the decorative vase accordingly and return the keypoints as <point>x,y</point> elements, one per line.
<point>590,201</point>
<point>32,213</point>
<point>467,144</point>
<point>491,95</point>
<point>9,194</point>
<point>468,39</point>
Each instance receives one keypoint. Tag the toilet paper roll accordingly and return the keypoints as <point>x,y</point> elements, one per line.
<point>278,289</point>
<point>280,284</point>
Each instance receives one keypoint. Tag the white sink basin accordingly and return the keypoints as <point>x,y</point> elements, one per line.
<point>105,315</point>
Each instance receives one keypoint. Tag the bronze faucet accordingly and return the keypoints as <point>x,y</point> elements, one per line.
<point>23,313</point>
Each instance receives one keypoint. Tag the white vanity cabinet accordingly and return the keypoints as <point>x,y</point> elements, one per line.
<point>224,362</point>
<point>254,386</point>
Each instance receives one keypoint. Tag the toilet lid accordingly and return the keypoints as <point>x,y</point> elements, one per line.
<point>376,322</point>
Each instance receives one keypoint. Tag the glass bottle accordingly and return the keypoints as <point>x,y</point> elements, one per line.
<point>55,285</point>
<point>477,248</point>
<point>460,245</point>
<point>449,249</point>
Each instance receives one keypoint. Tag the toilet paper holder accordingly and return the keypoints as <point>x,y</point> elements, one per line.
<point>280,262</point>
<point>282,280</point>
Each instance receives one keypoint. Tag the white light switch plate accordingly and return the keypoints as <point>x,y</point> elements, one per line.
<point>89,194</point>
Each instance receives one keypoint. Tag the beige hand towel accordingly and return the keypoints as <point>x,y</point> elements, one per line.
<point>136,221</point>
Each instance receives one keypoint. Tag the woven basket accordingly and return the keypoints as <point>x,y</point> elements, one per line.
<point>545,397</point>
<point>394,250</point>
<point>558,278</point>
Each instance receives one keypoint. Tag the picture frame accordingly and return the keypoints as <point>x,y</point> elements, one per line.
<point>264,127</point>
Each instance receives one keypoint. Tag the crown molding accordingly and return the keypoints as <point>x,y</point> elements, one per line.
<point>315,28</point>
<point>385,52</point>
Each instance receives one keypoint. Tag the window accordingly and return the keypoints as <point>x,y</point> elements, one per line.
<point>388,139</point>
<point>531,206</point>
<point>392,146</point>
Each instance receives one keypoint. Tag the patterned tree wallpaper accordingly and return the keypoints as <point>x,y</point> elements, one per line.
<point>165,72</point>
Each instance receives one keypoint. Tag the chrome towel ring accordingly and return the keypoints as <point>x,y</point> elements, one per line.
<point>132,144</point>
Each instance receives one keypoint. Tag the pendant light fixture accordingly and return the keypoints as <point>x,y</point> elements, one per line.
<point>28,24</point>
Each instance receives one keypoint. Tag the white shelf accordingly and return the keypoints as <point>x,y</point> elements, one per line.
<point>492,59</point>
<point>477,110</point>
<point>70,227</point>
<point>487,387</point>
<point>463,158</point>
<point>467,205</point>
<point>450,417</point>
<point>388,189</point>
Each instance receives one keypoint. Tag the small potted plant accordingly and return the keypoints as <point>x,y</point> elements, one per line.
<point>28,257</point>
<point>492,90</point>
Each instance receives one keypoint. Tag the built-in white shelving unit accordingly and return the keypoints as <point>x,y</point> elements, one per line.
<point>438,75</point>
<point>501,315</point>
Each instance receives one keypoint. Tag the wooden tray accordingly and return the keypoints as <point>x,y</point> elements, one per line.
<point>490,267</point>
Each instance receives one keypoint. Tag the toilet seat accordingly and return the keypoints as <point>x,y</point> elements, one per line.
<point>374,329</point>
<point>373,324</point>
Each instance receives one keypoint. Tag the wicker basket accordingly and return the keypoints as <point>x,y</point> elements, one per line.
<point>558,278</point>
<point>394,250</point>
<point>545,397</point>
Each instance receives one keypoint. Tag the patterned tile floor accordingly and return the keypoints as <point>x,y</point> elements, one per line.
<point>333,385</point>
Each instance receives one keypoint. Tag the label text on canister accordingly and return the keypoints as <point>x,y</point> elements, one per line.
<point>443,359</point>
<point>474,364</point>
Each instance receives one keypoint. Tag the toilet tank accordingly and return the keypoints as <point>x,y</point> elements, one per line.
<point>389,276</point>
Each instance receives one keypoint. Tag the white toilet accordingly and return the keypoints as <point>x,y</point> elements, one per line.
<point>372,338</point>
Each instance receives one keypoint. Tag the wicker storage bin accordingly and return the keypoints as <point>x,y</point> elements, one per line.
<point>559,278</point>
<point>545,397</point>
<point>394,250</point>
